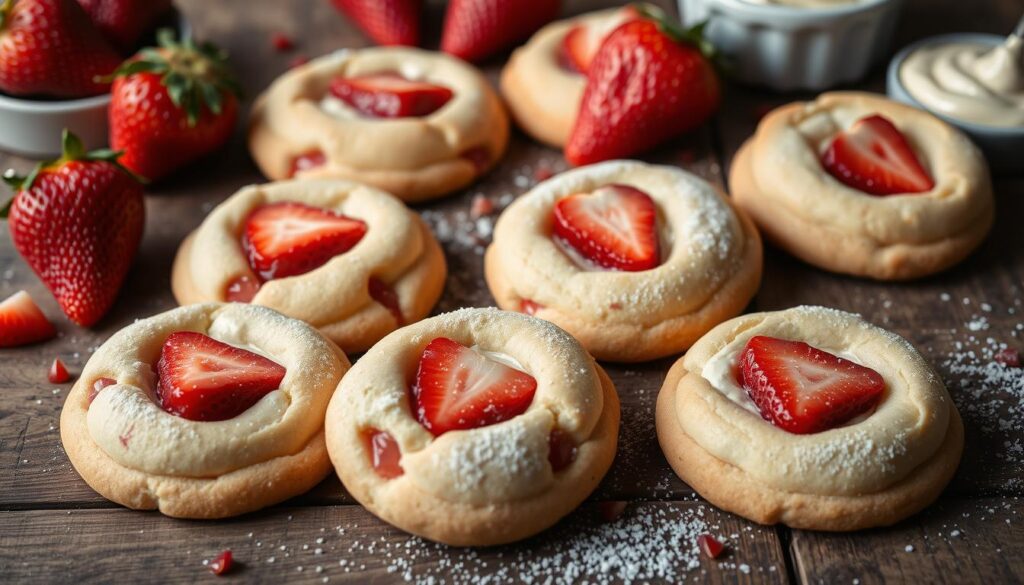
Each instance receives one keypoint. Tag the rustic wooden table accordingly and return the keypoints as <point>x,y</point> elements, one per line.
<point>54,528</point>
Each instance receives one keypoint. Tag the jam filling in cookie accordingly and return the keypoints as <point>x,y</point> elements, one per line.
<point>613,227</point>
<point>583,40</point>
<point>389,95</point>
<point>802,389</point>
<point>203,379</point>
<point>308,161</point>
<point>385,456</point>
<point>873,156</point>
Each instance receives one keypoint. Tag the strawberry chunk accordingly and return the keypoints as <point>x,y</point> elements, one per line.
<point>22,322</point>
<point>385,455</point>
<point>222,564</point>
<point>58,373</point>
<point>710,546</point>
<point>208,380</point>
<point>389,95</point>
<point>582,41</point>
<point>802,389</point>
<point>529,307</point>
<point>873,156</point>
<point>286,239</point>
<point>308,161</point>
<point>459,388</point>
<point>98,387</point>
<point>242,290</point>
<point>614,227</point>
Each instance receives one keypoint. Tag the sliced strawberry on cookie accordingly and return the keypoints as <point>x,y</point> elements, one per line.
<point>460,388</point>
<point>389,95</point>
<point>204,379</point>
<point>802,389</point>
<point>583,40</point>
<point>614,227</point>
<point>21,321</point>
<point>873,156</point>
<point>285,239</point>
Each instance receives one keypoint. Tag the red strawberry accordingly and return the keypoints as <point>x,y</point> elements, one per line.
<point>583,40</point>
<point>285,239</point>
<point>172,105</point>
<point>58,373</point>
<point>614,227</point>
<point>387,22</point>
<point>123,22</point>
<point>710,546</point>
<point>49,47</point>
<point>459,388</point>
<point>802,389</point>
<point>476,29</point>
<point>389,95</point>
<point>21,321</point>
<point>204,379</point>
<point>649,82</point>
<point>873,156</point>
<point>222,564</point>
<point>77,221</point>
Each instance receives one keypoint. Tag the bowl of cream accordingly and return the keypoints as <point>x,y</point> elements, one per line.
<point>973,81</point>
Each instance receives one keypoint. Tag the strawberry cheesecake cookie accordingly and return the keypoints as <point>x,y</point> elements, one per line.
<point>206,411</point>
<point>634,260</point>
<point>544,79</point>
<point>414,123</point>
<point>810,417</point>
<point>474,428</point>
<point>348,259</point>
<point>858,184</point>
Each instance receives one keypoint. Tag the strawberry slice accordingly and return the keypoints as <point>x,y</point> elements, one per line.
<point>286,238</point>
<point>389,95</point>
<point>802,389</point>
<point>21,321</point>
<point>204,379</point>
<point>582,41</point>
<point>873,156</point>
<point>613,227</point>
<point>459,388</point>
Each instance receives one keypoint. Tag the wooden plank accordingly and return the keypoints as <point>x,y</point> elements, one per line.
<point>346,544</point>
<point>956,541</point>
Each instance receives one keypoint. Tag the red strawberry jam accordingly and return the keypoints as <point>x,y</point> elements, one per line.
<point>308,161</point>
<point>381,292</point>
<point>385,455</point>
<point>242,290</point>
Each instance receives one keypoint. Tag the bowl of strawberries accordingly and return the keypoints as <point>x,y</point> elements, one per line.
<point>56,62</point>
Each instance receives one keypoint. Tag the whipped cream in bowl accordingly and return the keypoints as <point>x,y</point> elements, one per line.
<point>805,3</point>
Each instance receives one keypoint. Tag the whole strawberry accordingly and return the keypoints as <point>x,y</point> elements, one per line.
<point>477,29</point>
<point>49,48</point>
<point>648,82</point>
<point>171,105</point>
<point>387,22</point>
<point>77,221</point>
<point>123,22</point>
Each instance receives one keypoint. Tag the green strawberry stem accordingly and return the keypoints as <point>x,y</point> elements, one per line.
<point>693,35</point>
<point>72,149</point>
<point>194,75</point>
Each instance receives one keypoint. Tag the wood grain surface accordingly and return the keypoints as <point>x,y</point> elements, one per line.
<point>53,528</point>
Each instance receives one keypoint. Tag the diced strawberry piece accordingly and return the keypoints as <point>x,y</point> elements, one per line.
<point>222,564</point>
<point>561,450</point>
<point>1009,357</point>
<point>58,373</point>
<point>529,307</point>
<point>285,239</point>
<point>389,95</point>
<point>384,294</point>
<point>614,227</point>
<point>460,388</point>
<point>873,156</point>
<point>242,290</point>
<point>22,322</point>
<point>802,389</point>
<point>98,387</point>
<point>308,161</point>
<point>583,40</point>
<point>385,455</point>
<point>611,510</point>
<point>205,379</point>
<point>710,546</point>
<point>281,42</point>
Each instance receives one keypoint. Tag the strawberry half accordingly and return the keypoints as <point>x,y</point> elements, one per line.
<point>459,388</point>
<point>477,29</point>
<point>204,379</point>
<point>21,321</point>
<point>873,156</point>
<point>389,95</point>
<point>285,239</point>
<point>583,40</point>
<point>802,389</point>
<point>614,227</point>
<point>387,22</point>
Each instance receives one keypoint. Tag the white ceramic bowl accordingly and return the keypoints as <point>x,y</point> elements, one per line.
<point>788,48</point>
<point>1003,146</point>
